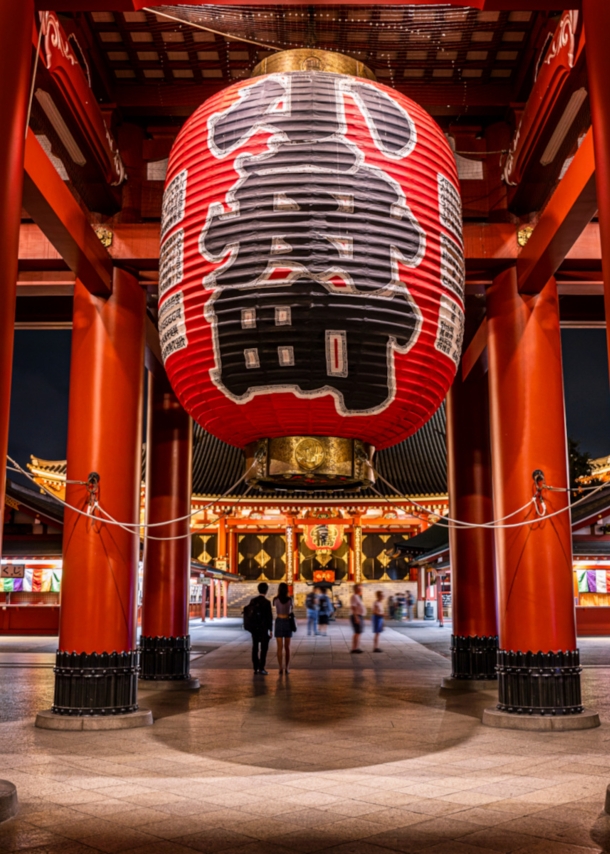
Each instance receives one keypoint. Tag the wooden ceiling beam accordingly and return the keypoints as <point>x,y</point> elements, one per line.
<point>180,100</point>
<point>488,246</point>
<point>62,222</point>
<point>562,222</point>
<point>130,5</point>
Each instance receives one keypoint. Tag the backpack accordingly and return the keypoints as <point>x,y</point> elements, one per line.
<point>254,621</point>
<point>310,601</point>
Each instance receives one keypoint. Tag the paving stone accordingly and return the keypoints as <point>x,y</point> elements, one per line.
<point>343,756</point>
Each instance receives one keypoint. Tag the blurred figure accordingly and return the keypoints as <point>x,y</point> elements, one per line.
<point>283,626</point>
<point>311,606</point>
<point>325,610</point>
<point>392,607</point>
<point>401,607</point>
<point>377,619</point>
<point>358,613</point>
<point>410,601</point>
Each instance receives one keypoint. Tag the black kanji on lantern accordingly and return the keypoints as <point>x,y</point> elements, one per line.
<point>307,293</point>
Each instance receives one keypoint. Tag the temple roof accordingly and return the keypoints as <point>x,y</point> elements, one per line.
<point>417,466</point>
<point>35,501</point>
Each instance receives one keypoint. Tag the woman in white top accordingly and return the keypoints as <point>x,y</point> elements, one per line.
<point>358,613</point>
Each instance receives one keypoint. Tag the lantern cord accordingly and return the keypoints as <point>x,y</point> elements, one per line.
<point>454,523</point>
<point>496,523</point>
<point>110,520</point>
<point>133,527</point>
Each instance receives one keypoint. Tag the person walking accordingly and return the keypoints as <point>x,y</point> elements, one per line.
<point>325,611</point>
<point>358,613</point>
<point>377,619</point>
<point>283,626</point>
<point>410,601</point>
<point>311,606</point>
<point>258,619</point>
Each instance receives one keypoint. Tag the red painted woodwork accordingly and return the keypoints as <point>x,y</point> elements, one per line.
<point>488,246</point>
<point>78,100</point>
<point>207,171</point>
<point>597,26</point>
<point>55,210</point>
<point>15,56</point>
<point>568,212</point>
<point>560,74</point>
<point>475,349</point>
<point>100,566</point>
<point>127,5</point>
<point>527,418</point>
<point>592,621</point>
<point>470,499</point>
<point>168,496</point>
<point>29,619</point>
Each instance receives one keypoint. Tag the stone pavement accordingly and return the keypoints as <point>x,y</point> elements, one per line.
<point>348,754</point>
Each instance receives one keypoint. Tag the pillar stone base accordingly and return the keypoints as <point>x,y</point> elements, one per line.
<point>539,683</point>
<point>474,657</point>
<point>101,684</point>
<point>587,719</point>
<point>450,683</point>
<point>50,720</point>
<point>190,684</point>
<point>165,659</point>
<point>9,804</point>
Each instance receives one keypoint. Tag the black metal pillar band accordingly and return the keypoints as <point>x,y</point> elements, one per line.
<point>96,683</point>
<point>539,683</point>
<point>474,657</point>
<point>165,658</point>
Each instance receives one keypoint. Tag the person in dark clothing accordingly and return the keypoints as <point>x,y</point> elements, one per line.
<point>263,629</point>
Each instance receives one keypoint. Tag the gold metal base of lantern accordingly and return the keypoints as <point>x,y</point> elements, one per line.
<point>309,463</point>
<point>310,59</point>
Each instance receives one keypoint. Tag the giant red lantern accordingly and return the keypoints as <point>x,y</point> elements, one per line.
<point>312,272</point>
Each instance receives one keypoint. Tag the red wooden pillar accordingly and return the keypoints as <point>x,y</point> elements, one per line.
<point>15,70</point>
<point>165,640</point>
<point>97,628</point>
<point>597,26</point>
<point>221,548</point>
<point>211,600</point>
<point>474,642</point>
<point>538,659</point>
<point>233,554</point>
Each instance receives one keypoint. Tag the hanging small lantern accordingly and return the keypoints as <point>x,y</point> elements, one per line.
<point>312,269</point>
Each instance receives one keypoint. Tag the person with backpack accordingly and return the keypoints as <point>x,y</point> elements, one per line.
<point>325,610</point>
<point>311,606</point>
<point>258,620</point>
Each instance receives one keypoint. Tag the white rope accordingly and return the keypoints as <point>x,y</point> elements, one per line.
<point>132,528</point>
<point>111,520</point>
<point>497,523</point>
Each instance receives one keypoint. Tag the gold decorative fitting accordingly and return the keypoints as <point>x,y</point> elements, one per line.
<point>524,234</point>
<point>309,463</point>
<point>309,59</point>
<point>105,236</point>
<point>310,454</point>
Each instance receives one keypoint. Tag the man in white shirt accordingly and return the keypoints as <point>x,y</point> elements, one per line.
<point>357,617</point>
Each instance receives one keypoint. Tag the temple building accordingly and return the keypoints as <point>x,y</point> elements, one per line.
<point>314,530</point>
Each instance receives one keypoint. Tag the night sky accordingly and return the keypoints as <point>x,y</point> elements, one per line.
<point>39,404</point>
